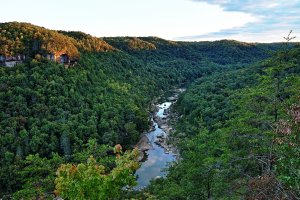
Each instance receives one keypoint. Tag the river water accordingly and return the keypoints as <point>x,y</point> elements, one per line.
<point>157,158</point>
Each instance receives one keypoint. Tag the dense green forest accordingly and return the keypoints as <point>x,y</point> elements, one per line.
<point>237,133</point>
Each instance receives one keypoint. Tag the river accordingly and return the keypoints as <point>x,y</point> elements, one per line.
<point>157,157</point>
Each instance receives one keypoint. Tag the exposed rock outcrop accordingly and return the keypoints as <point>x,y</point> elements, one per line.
<point>143,145</point>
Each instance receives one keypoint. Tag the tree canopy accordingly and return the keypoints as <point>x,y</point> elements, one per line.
<point>56,117</point>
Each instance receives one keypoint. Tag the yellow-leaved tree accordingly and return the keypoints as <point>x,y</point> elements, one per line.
<point>90,180</point>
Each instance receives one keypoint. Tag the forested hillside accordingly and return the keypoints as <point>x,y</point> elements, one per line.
<point>238,135</point>
<point>52,115</point>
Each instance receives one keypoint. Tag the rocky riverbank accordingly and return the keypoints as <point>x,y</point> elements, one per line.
<point>162,119</point>
<point>156,147</point>
<point>163,123</point>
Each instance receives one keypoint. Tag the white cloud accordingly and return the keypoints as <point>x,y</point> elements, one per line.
<point>163,18</point>
<point>170,19</point>
<point>274,19</point>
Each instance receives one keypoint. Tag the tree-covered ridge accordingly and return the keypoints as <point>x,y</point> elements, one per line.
<point>86,42</point>
<point>27,39</point>
<point>130,43</point>
<point>229,51</point>
<point>136,43</point>
<point>224,52</point>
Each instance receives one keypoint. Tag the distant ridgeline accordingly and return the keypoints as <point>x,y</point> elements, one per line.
<point>24,41</point>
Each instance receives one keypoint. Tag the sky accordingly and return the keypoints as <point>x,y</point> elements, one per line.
<point>186,20</point>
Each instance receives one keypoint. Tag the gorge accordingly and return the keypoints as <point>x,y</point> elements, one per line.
<point>69,130</point>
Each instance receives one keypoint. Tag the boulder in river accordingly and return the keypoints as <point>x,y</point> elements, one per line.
<point>160,136</point>
<point>164,118</point>
<point>172,98</point>
<point>151,128</point>
<point>144,144</point>
<point>166,111</point>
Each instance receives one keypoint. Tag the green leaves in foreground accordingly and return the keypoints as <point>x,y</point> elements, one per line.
<point>89,181</point>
